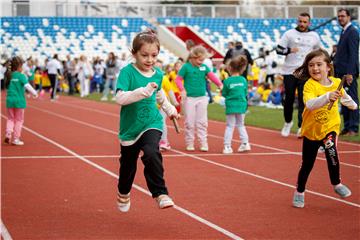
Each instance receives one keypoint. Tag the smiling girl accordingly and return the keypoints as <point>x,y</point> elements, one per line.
<point>138,91</point>
<point>320,126</point>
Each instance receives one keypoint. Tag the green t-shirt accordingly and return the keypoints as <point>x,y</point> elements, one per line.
<point>138,117</point>
<point>235,93</point>
<point>194,79</point>
<point>15,95</point>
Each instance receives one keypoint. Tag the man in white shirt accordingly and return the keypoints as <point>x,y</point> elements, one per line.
<point>53,68</point>
<point>295,44</point>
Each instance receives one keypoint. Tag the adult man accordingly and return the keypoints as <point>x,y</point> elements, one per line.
<point>346,62</point>
<point>54,69</point>
<point>295,44</point>
<point>236,51</point>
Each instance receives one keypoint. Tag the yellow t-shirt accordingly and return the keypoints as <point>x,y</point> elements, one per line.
<point>166,85</point>
<point>172,76</point>
<point>318,123</point>
<point>265,95</point>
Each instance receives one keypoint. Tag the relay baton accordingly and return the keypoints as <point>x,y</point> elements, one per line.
<point>176,125</point>
<point>338,88</point>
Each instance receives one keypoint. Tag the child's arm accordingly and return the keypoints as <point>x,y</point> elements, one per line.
<point>128,97</point>
<point>347,101</point>
<point>215,79</point>
<point>31,89</point>
<point>166,106</point>
<point>318,102</point>
<point>173,98</point>
<point>179,82</point>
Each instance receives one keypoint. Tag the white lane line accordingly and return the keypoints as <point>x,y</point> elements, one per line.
<point>213,121</point>
<point>168,155</point>
<point>4,232</point>
<point>255,175</point>
<point>264,178</point>
<point>183,210</point>
<point>210,135</point>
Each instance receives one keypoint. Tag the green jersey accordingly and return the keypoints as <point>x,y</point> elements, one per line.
<point>138,117</point>
<point>235,93</point>
<point>194,79</point>
<point>15,95</point>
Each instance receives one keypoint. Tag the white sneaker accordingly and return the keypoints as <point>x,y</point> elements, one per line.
<point>244,147</point>
<point>103,99</point>
<point>298,134</point>
<point>285,132</point>
<point>164,201</point>
<point>227,150</point>
<point>204,148</point>
<point>123,202</point>
<point>17,142</point>
<point>190,148</point>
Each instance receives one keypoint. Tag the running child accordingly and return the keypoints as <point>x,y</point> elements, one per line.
<point>235,92</point>
<point>138,91</point>
<point>193,93</point>
<point>16,82</point>
<point>320,125</point>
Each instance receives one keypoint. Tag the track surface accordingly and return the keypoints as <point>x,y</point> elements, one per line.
<point>62,184</point>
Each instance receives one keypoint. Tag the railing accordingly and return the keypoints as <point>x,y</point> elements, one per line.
<point>146,10</point>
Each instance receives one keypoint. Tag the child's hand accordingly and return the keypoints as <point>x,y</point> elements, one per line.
<point>35,95</point>
<point>333,96</point>
<point>150,88</point>
<point>183,95</point>
<point>176,116</point>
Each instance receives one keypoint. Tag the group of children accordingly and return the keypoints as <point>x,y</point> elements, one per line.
<point>140,94</point>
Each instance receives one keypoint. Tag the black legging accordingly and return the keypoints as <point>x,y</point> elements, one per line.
<point>152,160</point>
<point>291,83</point>
<point>309,153</point>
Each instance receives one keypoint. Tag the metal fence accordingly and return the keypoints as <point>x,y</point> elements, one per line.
<point>146,10</point>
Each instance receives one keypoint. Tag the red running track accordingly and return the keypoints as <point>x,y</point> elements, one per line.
<point>62,184</point>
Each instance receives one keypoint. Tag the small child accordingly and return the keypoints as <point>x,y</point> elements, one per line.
<point>16,82</point>
<point>138,91</point>
<point>191,81</point>
<point>320,126</point>
<point>235,92</point>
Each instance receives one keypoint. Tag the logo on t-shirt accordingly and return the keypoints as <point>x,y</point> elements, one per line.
<point>322,116</point>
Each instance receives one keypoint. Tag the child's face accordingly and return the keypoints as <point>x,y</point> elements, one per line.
<point>197,61</point>
<point>318,68</point>
<point>146,57</point>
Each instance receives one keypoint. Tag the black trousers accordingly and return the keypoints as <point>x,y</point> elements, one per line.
<point>309,153</point>
<point>291,83</point>
<point>53,82</point>
<point>152,160</point>
<point>351,117</point>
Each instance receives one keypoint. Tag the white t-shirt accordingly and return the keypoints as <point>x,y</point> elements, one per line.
<point>52,66</point>
<point>305,41</point>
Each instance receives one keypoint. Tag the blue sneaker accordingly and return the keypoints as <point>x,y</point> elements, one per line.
<point>299,200</point>
<point>342,190</point>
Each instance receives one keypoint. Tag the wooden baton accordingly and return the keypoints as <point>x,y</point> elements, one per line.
<point>176,125</point>
<point>338,88</point>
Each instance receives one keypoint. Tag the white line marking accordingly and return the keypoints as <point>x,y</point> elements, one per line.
<point>164,155</point>
<point>264,178</point>
<point>4,232</point>
<point>252,174</point>
<point>214,121</point>
<point>188,213</point>
<point>210,135</point>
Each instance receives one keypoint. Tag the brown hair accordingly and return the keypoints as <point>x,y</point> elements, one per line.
<point>302,72</point>
<point>13,66</point>
<point>238,64</point>
<point>148,36</point>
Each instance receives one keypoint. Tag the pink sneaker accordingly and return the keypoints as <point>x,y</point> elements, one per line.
<point>164,145</point>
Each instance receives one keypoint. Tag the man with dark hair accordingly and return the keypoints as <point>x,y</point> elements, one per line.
<point>346,63</point>
<point>295,44</point>
<point>236,51</point>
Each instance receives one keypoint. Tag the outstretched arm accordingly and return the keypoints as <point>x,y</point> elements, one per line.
<point>128,97</point>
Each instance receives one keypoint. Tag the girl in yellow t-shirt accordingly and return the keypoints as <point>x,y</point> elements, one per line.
<point>320,125</point>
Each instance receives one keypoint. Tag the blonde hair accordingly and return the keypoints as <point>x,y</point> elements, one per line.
<point>198,51</point>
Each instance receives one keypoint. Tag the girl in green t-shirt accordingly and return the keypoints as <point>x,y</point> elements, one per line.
<point>16,82</point>
<point>194,74</point>
<point>141,125</point>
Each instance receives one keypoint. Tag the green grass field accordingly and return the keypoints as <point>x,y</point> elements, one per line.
<point>256,116</point>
